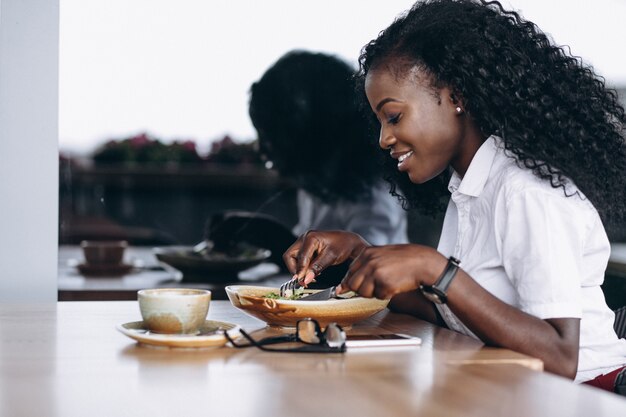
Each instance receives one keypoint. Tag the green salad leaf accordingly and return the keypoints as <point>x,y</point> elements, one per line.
<point>295,295</point>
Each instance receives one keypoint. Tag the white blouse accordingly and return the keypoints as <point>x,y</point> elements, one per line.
<point>381,221</point>
<point>534,248</point>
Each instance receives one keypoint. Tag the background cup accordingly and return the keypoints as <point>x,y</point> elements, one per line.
<point>105,252</point>
<point>174,310</point>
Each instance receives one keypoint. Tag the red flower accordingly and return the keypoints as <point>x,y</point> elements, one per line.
<point>140,140</point>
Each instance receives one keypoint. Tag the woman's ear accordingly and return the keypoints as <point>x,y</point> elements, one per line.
<point>458,103</point>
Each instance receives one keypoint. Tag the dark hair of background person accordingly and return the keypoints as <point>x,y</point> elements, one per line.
<point>310,125</point>
<point>551,110</point>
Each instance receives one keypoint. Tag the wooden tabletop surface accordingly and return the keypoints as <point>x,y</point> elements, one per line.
<point>67,359</point>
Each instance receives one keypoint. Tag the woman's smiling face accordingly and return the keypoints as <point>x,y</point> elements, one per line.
<point>420,125</point>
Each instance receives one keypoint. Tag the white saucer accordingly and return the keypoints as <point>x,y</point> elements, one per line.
<point>210,335</point>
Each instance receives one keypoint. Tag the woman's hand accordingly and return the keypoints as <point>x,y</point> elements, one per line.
<point>315,251</point>
<point>384,271</point>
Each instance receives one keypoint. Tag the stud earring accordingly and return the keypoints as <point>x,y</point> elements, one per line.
<point>459,109</point>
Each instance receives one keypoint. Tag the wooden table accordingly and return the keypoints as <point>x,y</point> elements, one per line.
<point>72,286</point>
<point>67,359</point>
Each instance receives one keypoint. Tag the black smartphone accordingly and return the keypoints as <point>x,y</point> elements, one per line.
<point>381,340</point>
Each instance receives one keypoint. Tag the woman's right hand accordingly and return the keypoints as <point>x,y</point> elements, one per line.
<point>315,251</point>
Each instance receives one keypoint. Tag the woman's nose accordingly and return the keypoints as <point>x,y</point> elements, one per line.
<point>386,140</point>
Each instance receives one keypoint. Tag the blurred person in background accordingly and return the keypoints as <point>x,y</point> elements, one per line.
<point>311,130</point>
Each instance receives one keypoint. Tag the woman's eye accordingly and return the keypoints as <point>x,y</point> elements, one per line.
<point>392,120</point>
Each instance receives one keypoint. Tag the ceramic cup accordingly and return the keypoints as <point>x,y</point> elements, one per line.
<point>105,252</point>
<point>174,310</point>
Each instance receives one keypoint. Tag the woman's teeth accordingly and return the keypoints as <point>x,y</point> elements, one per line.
<point>403,158</point>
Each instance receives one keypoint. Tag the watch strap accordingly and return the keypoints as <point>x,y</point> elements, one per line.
<point>437,293</point>
<point>448,275</point>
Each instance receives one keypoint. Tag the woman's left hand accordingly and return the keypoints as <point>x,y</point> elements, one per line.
<point>384,271</point>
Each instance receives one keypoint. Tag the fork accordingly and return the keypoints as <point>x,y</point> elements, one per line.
<point>290,285</point>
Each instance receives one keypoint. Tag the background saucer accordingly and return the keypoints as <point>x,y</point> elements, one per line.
<point>104,269</point>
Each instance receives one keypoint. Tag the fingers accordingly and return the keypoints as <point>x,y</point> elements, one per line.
<point>315,251</point>
<point>369,277</point>
<point>323,260</point>
<point>357,279</point>
<point>310,248</point>
<point>290,255</point>
<point>299,256</point>
<point>309,275</point>
<point>308,278</point>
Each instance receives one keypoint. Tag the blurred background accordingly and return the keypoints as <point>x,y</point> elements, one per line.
<point>154,130</point>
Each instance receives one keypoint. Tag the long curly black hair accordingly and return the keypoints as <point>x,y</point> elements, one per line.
<point>554,114</point>
<point>310,125</point>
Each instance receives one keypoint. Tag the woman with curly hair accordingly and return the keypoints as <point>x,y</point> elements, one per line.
<point>476,104</point>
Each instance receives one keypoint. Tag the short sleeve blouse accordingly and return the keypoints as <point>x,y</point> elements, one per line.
<point>534,248</point>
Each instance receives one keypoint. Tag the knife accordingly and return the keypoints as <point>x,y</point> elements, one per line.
<point>322,295</point>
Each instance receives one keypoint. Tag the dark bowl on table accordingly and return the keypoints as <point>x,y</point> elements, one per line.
<point>210,266</point>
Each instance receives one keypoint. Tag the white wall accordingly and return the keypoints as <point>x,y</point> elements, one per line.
<point>181,69</point>
<point>29,34</point>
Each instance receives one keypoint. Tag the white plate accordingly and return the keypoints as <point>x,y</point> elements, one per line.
<point>210,335</point>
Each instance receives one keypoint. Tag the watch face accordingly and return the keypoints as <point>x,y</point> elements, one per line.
<point>433,294</point>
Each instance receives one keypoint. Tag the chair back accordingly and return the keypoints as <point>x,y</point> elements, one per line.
<point>620,322</point>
